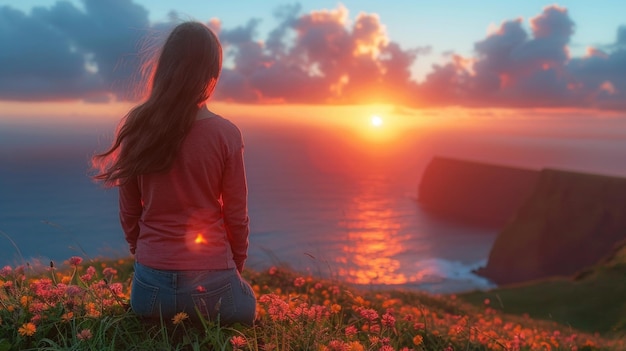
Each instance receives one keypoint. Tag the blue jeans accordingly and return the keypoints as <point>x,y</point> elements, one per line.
<point>216,294</point>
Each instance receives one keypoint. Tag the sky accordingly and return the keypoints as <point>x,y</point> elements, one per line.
<point>489,54</point>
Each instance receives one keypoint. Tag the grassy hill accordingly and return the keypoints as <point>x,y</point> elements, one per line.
<point>593,300</point>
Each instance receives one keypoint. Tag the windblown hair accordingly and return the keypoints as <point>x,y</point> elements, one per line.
<point>182,80</point>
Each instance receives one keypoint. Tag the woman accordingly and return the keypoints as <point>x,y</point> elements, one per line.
<point>182,189</point>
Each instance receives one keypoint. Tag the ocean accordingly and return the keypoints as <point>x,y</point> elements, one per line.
<point>320,201</point>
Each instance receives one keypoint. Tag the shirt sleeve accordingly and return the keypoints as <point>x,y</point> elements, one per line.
<point>130,211</point>
<point>235,202</point>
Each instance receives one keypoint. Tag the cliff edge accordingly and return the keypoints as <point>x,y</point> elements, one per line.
<point>570,222</point>
<point>474,192</point>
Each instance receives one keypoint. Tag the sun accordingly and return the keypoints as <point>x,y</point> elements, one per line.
<point>376,121</point>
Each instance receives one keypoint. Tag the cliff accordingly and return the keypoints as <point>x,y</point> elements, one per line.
<point>474,192</point>
<point>570,222</point>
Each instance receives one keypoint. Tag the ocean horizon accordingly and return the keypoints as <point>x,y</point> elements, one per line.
<point>319,202</point>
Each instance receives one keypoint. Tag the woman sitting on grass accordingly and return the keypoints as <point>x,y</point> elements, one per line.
<point>182,189</point>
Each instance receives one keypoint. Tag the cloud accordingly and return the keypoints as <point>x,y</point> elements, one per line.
<point>512,67</point>
<point>319,57</point>
<point>63,52</point>
<point>93,53</point>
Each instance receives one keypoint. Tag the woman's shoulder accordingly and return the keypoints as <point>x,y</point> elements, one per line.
<point>219,124</point>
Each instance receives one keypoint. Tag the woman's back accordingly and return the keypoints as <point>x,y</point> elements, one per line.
<point>182,226</point>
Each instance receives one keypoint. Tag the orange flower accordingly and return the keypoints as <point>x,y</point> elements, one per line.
<point>179,317</point>
<point>335,308</point>
<point>27,329</point>
<point>418,340</point>
<point>356,346</point>
<point>66,317</point>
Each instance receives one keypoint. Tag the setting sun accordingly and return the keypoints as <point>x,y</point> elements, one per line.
<point>376,121</point>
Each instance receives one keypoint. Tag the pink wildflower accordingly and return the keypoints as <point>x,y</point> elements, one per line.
<point>116,288</point>
<point>277,308</point>
<point>387,348</point>
<point>75,260</point>
<point>350,331</point>
<point>299,282</point>
<point>368,314</point>
<point>73,290</point>
<point>238,341</point>
<point>419,326</point>
<point>273,270</point>
<point>84,334</point>
<point>89,275</point>
<point>389,320</point>
<point>5,271</point>
<point>109,272</point>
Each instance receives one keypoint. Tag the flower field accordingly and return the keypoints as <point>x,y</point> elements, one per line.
<point>84,306</point>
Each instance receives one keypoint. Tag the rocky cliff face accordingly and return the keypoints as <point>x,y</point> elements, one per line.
<point>570,222</point>
<point>553,222</point>
<point>475,192</point>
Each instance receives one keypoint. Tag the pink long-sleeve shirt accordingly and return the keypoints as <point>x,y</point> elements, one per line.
<point>194,216</point>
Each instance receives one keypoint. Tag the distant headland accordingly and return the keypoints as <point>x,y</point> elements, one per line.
<point>551,222</point>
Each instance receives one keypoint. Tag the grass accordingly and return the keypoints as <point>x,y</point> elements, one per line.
<point>84,306</point>
<point>593,301</point>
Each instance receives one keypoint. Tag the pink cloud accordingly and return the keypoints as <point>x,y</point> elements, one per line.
<point>324,56</point>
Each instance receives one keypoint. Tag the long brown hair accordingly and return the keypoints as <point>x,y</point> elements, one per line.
<point>150,135</point>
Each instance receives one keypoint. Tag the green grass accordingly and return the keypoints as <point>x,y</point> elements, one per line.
<point>593,301</point>
<point>76,307</point>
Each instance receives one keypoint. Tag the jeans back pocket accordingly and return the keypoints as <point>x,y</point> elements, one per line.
<point>143,298</point>
<point>216,303</point>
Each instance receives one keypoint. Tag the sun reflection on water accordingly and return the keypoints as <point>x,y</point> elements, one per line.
<point>373,240</point>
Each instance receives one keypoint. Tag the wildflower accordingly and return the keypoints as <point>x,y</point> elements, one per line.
<point>5,271</point>
<point>375,328</point>
<point>27,329</point>
<point>66,317</point>
<point>73,290</point>
<point>84,334</point>
<point>238,341</point>
<point>389,320</point>
<point>273,270</point>
<point>487,302</point>
<point>179,317</point>
<point>299,282</point>
<point>368,314</point>
<point>335,308</point>
<point>89,275</point>
<point>350,331</point>
<point>387,348</point>
<point>277,308</point>
<point>116,288</point>
<point>75,260</point>
<point>355,346</point>
<point>336,345</point>
<point>200,289</point>
<point>418,340</point>
<point>109,272</point>
<point>25,300</point>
